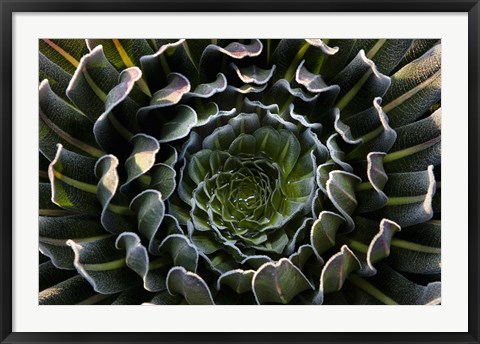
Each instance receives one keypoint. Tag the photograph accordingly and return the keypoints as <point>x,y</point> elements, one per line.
<point>251,171</point>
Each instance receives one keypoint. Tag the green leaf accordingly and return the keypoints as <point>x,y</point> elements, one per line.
<point>256,261</point>
<point>169,155</point>
<point>245,123</point>
<point>415,88</point>
<point>73,182</point>
<point>290,52</point>
<point>368,130</point>
<point>409,197</point>
<point>360,83</point>
<point>341,192</point>
<point>199,166</point>
<point>243,145</point>
<point>54,232</point>
<point>93,79</point>
<point>69,292</point>
<point>56,76</point>
<point>314,82</point>
<point>150,210</point>
<point>169,57</point>
<point>417,249</point>
<point>117,124</point>
<point>163,179</point>
<point>266,140</point>
<point>116,216</point>
<point>173,125</point>
<point>46,207</point>
<point>103,266</point>
<point>58,60</point>
<point>50,275</point>
<point>177,208</point>
<point>282,94</point>
<point>65,53</point>
<point>210,113</point>
<point>279,282</point>
<point>124,53</point>
<point>380,246</point>
<point>190,285</point>
<point>164,298</point>
<point>253,74</point>
<point>300,257</point>
<point>324,230</point>
<point>333,64</point>
<point>337,154</point>
<point>219,262</point>
<point>298,230</point>
<point>323,174</point>
<point>386,53</point>
<point>417,49</point>
<point>62,123</point>
<point>207,90</point>
<point>258,107</point>
<point>389,287</point>
<point>375,172</point>
<point>220,139</point>
<point>305,121</point>
<point>418,145</point>
<point>289,152</point>
<point>287,56</point>
<point>370,194</point>
<point>321,44</point>
<point>246,89</point>
<point>239,280</point>
<point>171,94</point>
<point>276,242</point>
<point>205,242</point>
<point>215,55</point>
<point>371,242</point>
<point>170,225</point>
<point>336,271</point>
<point>153,272</point>
<point>305,167</point>
<point>142,158</point>
<point>182,251</point>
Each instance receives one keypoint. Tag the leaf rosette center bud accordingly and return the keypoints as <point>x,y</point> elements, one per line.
<point>247,181</point>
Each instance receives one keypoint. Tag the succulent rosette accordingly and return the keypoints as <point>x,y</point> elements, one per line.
<point>240,171</point>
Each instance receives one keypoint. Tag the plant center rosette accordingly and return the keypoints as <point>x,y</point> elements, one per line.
<point>247,181</point>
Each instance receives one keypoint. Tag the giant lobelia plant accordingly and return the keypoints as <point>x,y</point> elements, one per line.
<point>240,171</point>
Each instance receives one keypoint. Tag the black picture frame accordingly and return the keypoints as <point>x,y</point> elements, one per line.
<point>9,7</point>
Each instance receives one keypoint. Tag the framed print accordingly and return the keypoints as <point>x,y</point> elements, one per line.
<point>251,172</point>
